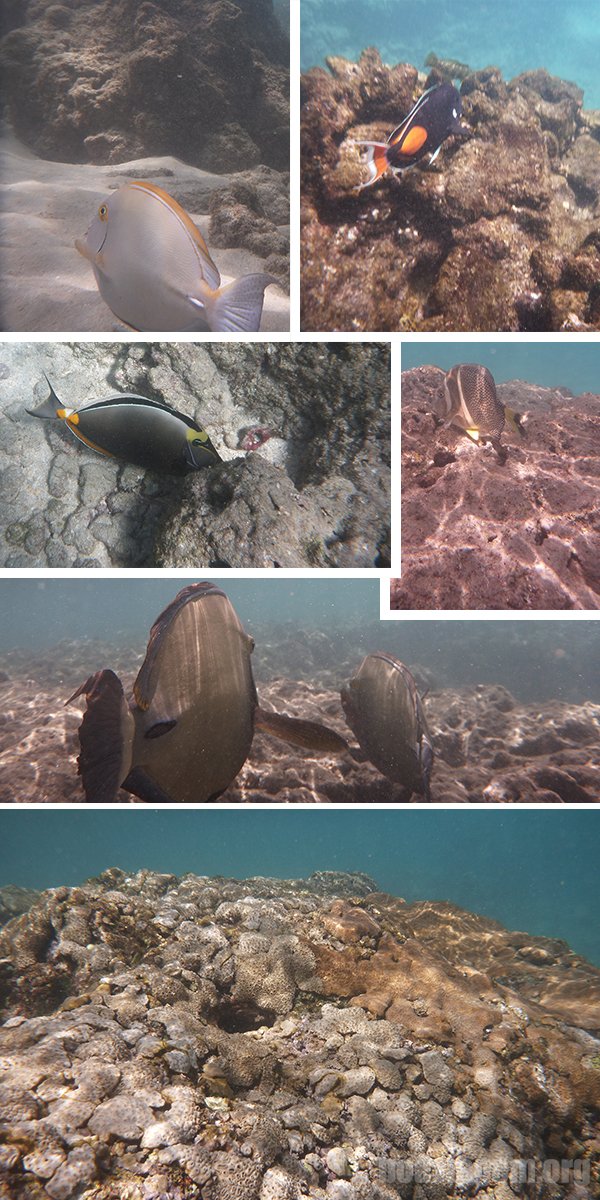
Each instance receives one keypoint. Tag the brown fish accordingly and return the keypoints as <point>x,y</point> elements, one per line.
<point>384,711</point>
<point>188,728</point>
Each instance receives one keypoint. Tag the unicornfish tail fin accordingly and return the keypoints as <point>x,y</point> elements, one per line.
<point>237,306</point>
<point>50,407</point>
<point>309,734</point>
<point>105,737</point>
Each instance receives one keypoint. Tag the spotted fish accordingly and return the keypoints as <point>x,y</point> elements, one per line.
<point>385,713</point>
<point>471,402</point>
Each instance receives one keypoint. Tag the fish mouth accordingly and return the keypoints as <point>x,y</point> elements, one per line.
<point>82,247</point>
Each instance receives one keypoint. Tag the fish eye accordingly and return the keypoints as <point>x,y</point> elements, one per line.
<point>103,212</point>
<point>200,440</point>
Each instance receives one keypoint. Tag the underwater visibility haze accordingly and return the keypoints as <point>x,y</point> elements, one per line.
<point>242,1034</point>
<point>500,468</point>
<point>511,711</point>
<point>450,166</point>
<point>564,39</point>
<point>148,126</point>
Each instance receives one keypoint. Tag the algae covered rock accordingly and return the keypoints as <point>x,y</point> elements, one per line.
<point>463,244</point>
<point>452,1031</point>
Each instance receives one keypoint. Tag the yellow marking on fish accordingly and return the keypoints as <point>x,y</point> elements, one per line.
<point>196,435</point>
<point>62,413</point>
<point>474,434</point>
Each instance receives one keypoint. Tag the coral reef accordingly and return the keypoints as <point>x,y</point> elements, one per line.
<point>502,233</point>
<point>316,494</point>
<point>481,533</point>
<point>387,1050</point>
<point>204,80</point>
<point>489,747</point>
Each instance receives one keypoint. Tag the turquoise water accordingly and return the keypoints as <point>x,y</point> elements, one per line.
<point>536,660</point>
<point>576,367</point>
<point>535,871</point>
<point>561,35</point>
<point>40,613</point>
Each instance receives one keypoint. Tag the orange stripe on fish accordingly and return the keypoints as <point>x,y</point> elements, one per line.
<point>415,138</point>
<point>73,423</point>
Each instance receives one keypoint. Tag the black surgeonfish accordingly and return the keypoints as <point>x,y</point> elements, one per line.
<point>434,117</point>
<point>187,730</point>
<point>140,431</point>
<point>385,713</point>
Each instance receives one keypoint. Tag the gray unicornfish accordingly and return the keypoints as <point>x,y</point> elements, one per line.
<point>154,270</point>
<point>138,430</point>
<point>187,729</point>
<point>385,713</point>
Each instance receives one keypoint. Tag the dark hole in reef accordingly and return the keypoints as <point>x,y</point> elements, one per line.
<point>237,1017</point>
<point>533,313</point>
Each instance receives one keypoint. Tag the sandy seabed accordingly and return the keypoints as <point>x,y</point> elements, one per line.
<point>47,286</point>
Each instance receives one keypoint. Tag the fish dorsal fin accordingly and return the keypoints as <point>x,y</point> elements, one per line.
<point>312,735</point>
<point>396,134</point>
<point>145,685</point>
<point>210,270</point>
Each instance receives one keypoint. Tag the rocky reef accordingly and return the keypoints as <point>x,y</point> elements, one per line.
<point>204,80</point>
<point>315,494</point>
<point>489,746</point>
<point>501,233</point>
<point>481,533</point>
<point>207,1039</point>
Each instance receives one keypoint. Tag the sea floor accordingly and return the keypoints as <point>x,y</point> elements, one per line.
<point>210,1039</point>
<point>489,747</point>
<point>47,286</point>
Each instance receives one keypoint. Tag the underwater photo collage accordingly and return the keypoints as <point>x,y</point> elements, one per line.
<point>299,600</point>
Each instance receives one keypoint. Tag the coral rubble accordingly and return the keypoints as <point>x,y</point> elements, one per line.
<point>502,233</point>
<point>479,533</point>
<point>488,746</point>
<point>206,1039</point>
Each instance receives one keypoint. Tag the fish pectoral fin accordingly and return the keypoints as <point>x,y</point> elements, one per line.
<point>159,729</point>
<point>236,307</point>
<point>140,784</point>
<point>309,734</point>
<point>105,737</point>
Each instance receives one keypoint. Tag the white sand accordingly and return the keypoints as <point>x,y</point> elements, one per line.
<point>46,285</point>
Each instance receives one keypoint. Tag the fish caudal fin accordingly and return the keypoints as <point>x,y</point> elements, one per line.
<point>309,734</point>
<point>105,737</point>
<point>376,160</point>
<point>50,407</point>
<point>236,307</point>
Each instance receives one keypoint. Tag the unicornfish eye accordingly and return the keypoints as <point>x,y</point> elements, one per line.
<point>103,212</point>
